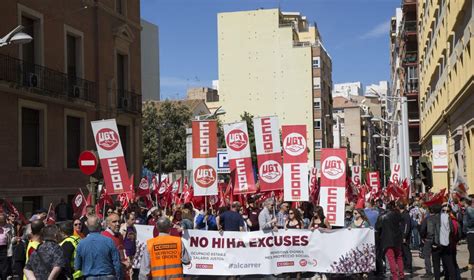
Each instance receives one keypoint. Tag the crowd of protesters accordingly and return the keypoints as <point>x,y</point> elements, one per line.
<point>93,248</point>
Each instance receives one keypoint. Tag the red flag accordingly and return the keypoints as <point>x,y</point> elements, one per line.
<point>51,216</point>
<point>79,203</point>
<point>361,198</point>
<point>125,199</point>
<point>143,188</point>
<point>460,187</point>
<point>12,209</point>
<point>187,194</point>
<point>437,198</point>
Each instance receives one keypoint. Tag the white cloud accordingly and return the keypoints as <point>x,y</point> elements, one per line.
<point>379,30</point>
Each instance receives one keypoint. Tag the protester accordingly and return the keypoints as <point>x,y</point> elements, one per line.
<point>252,213</point>
<point>47,261</point>
<point>406,227</point>
<point>129,234</point>
<point>427,244</point>
<point>6,236</point>
<point>63,211</point>
<point>282,215</point>
<point>206,221</point>
<point>468,229</point>
<point>294,220</point>
<point>389,228</point>
<point>360,219</point>
<point>35,238</point>
<point>69,245</point>
<point>90,211</point>
<point>371,213</point>
<point>231,220</point>
<point>113,232</point>
<point>97,255</point>
<point>348,217</point>
<point>78,228</point>
<point>266,218</point>
<point>156,267</point>
<point>319,220</point>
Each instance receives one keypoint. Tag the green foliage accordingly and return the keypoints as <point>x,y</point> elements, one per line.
<point>170,121</point>
<point>248,118</point>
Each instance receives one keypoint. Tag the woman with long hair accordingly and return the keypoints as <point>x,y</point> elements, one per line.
<point>294,219</point>
<point>319,220</point>
<point>360,219</point>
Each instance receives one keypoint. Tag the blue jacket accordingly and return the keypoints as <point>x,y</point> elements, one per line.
<point>211,222</point>
<point>97,255</point>
<point>468,220</point>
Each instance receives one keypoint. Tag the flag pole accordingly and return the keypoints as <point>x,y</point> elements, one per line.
<point>49,209</point>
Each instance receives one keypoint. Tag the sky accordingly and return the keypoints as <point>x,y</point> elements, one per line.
<point>355,33</point>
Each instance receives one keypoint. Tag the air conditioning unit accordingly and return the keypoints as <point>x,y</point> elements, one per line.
<point>124,102</point>
<point>33,80</point>
<point>76,91</point>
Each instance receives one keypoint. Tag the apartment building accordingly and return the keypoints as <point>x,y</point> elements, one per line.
<point>446,46</point>
<point>274,63</point>
<point>82,65</point>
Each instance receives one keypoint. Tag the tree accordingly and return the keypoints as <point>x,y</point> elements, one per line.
<point>169,123</point>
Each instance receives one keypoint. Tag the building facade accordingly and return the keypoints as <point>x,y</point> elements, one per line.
<point>203,93</point>
<point>82,66</point>
<point>347,89</point>
<point>446,45</point>
<point>274,63</point>
<point>150,61</point>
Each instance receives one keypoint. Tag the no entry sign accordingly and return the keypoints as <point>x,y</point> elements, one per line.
<point>88,162</point>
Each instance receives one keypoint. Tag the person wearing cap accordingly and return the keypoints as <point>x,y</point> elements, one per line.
<point>348,217</point>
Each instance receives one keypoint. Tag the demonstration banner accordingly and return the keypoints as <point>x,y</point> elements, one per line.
<point>258,252</point>
<point>204,157</point>
<point>356,175</point>
<point>295,167</point>
<point>240,159</point>
<point>374,181</point>
<point>267,144</point>
<point>440,153</point>
<point>112,161</point>
<point>395,175</point>
<point>333,185</point>
<point>144,233</point>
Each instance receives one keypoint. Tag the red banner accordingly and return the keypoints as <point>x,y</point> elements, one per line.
<point>333,183</point>
<point>204,157</point>
<point>295,167</point>
<point>267,144</point>
<point>373,179</point>
<point>240,159</point>
<point>110,151</point>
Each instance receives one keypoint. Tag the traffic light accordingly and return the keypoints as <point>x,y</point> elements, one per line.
<point>426,175</point>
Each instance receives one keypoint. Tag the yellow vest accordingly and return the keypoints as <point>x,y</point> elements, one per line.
<point>74,241</point>
<point>31,245</point>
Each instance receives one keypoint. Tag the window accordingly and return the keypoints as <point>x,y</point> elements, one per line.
<point>318,144</point>
<point>120,6</point>
<point>71,57</point>
<point>32,136</point>
<point>317,124</point>
<point>316,62</point>
<point>316,82</point>
<point>33,26</point>
<point>317,103</point>
<point>122,82</point>
<point>73,140</point>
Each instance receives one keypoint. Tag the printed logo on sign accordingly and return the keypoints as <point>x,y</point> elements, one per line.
<point>78,200</point>
<point>294,144</point>
<point>440,154</point>
<point>204,141</point>
<point>287,263</point>
<point>295,180</point>
<point>204,266</point>
<point>205,176</point>
<point>237,140</point>
<point>241,174</point>
<point>333,167</point>
<point>162,189</point>
<point>303,262</point>
<point>267,135</point>
<point>107,139</point>
<point>270,171</point>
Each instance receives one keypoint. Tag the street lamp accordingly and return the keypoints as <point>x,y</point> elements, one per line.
<point>218,112</point>
<point>15,37</point>
<point>377,119</point>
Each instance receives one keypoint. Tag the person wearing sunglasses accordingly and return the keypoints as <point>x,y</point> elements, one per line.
<point>360,219</point>
<point>294,220</point>
<point>319,220</point>
<point>77,226</point>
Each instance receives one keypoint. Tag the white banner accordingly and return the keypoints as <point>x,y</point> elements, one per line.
<point>143,234</point>
<point>395,174</point>
<point>244,253</point>
<point>356,175</point>
<point>268,142</point>
<point>296,182</point>
<point>440,153</point>
<point>204,157</point>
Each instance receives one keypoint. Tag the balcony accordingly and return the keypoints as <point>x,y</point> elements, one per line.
<point>410,58</point>
<point>128,101</point>
<point>410,27</point>
<point>45,81</point>
<point>411,88</point>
